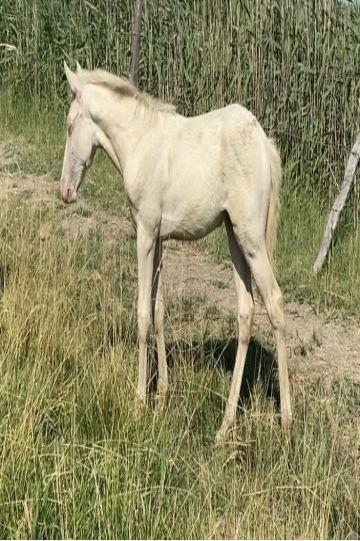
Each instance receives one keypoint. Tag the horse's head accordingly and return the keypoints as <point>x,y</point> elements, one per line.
<point>81,142</point>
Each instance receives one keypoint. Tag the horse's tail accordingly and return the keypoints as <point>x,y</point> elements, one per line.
<point>274,203</point>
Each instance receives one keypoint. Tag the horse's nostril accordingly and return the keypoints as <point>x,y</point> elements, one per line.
<point>68,193</point>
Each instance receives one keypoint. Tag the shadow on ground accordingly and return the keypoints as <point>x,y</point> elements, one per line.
<point>260,367</point>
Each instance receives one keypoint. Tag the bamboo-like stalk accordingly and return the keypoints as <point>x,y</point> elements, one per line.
<point>135,41</point>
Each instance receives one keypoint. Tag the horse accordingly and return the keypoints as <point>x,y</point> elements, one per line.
<point>184,177</point>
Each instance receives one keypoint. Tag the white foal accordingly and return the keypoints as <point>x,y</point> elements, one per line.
<point>184,177</point>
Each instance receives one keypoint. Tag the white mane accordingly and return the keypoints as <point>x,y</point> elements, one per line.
<point>123,87</point>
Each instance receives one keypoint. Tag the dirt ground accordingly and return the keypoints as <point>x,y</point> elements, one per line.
<point>319,341</point>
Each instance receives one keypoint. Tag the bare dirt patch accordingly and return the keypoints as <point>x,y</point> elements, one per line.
<point>111,229</point>
<point>34,188</point>
<point>37,189</point>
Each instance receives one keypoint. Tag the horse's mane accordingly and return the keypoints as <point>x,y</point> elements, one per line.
<point>123,87</point>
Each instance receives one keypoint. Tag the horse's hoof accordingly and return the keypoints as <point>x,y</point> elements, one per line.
<point>160,401</point>
<point>286,421</point>
<point>220,438</point>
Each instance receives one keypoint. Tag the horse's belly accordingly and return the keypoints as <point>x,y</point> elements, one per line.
<point>190,227</point>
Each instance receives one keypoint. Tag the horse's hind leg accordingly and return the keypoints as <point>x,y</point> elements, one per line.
<point>271,293</point>
<point>245,310</point>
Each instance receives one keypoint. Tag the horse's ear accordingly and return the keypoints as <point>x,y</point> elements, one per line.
<point>73,79</point>
<point>78,68</point>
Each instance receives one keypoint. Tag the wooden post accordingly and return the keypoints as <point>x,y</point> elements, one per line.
<point>338,204</point>
<point>135,42</point>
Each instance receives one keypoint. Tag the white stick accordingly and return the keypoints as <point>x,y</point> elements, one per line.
<point>338,204</point>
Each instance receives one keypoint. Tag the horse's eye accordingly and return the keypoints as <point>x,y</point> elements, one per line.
<point>69,128</point>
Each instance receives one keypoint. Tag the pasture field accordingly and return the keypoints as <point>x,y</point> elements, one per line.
<point>73,460</point>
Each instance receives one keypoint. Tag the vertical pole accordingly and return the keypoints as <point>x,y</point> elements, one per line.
<point>338,205</point>
<point>135,41</point>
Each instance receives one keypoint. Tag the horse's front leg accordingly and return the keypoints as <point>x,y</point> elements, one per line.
<point>145,255</point>
<point>158,319</point>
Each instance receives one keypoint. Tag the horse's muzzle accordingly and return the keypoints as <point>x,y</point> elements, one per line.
<point>67,194</point>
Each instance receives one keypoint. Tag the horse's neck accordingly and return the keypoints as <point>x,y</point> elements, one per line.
<point>119,133</point>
